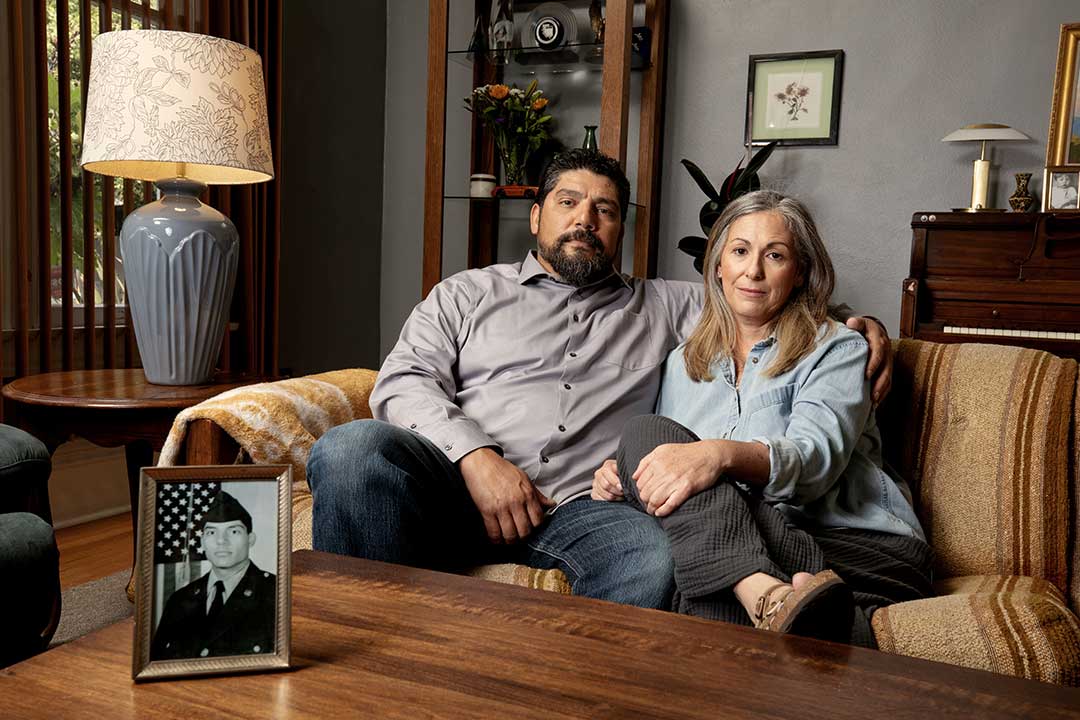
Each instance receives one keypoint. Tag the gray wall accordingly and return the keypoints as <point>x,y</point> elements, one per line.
<point>915,70</point>
<point>334,78</point>
<point>403,173</point>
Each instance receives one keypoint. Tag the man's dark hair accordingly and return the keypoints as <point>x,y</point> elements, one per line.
<point>591,160</point>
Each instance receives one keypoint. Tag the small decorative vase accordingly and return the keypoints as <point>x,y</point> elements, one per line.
<point>513,167</point>
<point>590,138</point>
<point>1021,200</point>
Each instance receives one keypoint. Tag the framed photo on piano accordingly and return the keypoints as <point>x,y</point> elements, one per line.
<point>1063,142</point>
<point>1061,189</point>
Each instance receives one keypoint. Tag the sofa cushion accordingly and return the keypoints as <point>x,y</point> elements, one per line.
<point>981,434</point>
<point>1006,624</point>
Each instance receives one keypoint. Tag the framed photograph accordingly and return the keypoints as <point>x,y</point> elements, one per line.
<point>212,588</point>
<point>794,98</point>
<point>1061,186</point>
<point>1063,142</point>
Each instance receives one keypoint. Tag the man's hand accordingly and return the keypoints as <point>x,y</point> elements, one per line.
<point>510,504</point>
<point>605,483</point>
<point>670,474</point>
<point>879,366</point>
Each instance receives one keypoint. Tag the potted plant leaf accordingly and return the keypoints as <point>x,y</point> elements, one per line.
<point>739,182</point>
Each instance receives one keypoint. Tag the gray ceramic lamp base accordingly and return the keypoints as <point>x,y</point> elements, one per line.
<point>180,259</point>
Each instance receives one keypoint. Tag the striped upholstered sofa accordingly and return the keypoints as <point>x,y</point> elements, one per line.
<point>988,437</point>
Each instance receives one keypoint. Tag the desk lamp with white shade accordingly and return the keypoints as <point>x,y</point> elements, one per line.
<point>184,111</point>
<point>980,179</point>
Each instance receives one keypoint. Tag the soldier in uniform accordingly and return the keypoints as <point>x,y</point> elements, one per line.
<point>229,610</point>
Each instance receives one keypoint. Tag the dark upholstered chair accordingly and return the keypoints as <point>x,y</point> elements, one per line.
<point>29,561</point>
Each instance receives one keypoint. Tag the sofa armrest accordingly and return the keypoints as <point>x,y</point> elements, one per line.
<point>275,422</point>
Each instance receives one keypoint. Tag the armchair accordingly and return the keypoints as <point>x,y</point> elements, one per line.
<point>29,561</point>
<point>986,435</point>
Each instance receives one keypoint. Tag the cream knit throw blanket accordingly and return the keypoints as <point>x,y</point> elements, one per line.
<point>278,422</point>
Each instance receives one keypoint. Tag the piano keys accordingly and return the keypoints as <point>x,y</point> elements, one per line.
<point>1006,278</point>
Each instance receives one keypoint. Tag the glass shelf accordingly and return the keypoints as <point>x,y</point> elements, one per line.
<point>632,206</point>
<point>571,57</point>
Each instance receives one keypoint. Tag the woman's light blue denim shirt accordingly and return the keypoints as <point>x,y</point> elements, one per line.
<point>825,464</point>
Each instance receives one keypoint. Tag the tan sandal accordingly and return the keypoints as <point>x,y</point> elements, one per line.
<point>822,608</point>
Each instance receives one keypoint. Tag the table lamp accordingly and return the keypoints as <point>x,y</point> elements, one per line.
<point>980,178</point>
<point>184,111</point>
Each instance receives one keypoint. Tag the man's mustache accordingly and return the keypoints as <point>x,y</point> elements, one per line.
<point>582,235</point>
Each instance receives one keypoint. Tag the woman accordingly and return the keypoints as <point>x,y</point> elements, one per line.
<point>782,515</point>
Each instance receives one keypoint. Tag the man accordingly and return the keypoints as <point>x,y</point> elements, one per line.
<point>229,610</point>
<point>508,388</point>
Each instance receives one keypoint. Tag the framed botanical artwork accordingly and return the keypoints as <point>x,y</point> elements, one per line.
<point>794,98</point>
<point>1063,142</point>
<point>212,590</point>
<point>1061,188</point>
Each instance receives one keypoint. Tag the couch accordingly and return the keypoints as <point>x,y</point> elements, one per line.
<point>986,435</point>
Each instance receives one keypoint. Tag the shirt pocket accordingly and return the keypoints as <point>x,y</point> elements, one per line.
<point>774,401</point>
<point>628,340</point>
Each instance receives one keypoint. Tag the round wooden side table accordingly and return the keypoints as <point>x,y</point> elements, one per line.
<point>109,408</point>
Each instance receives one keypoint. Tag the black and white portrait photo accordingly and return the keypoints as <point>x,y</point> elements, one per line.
<point>215,585</point>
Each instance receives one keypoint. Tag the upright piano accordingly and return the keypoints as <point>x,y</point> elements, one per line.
<point>1006,278</point>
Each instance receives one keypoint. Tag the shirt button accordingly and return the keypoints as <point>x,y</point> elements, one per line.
<point>562,428</point>
<point>449,447</point>
<point>575,318</point>
<point>754,360</point>
<point>567,386</point>
<point>573,354</point>
<point>205,652</point>
<point>544,459</point>
<point>413,426</point>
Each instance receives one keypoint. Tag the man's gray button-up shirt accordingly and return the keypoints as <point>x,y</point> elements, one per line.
<point>507,357</point>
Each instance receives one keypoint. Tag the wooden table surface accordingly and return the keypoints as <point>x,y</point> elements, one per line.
<point>377,640</point>
<point>117,389</point>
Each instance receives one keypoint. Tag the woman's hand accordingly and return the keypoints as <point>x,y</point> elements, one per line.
<point>670,474</point>
<point>605,483</point>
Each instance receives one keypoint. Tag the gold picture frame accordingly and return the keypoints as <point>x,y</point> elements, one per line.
<point>198,525</point>
<point>1061,189</point>
<point>1063,141</point>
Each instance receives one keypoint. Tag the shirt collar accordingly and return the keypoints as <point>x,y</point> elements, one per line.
<point>531,268</point>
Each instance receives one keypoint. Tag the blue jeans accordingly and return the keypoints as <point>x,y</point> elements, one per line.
<point>384,493</point>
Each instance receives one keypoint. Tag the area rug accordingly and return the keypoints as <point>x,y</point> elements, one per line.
<point>92,606</point>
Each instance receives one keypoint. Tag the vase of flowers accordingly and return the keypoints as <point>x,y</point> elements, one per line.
<point>516,119</point>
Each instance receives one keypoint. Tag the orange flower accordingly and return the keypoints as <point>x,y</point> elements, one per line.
<point>540,104</point>
<point>498,92</point>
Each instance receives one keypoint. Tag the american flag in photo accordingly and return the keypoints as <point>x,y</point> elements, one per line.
<point>178,530</point>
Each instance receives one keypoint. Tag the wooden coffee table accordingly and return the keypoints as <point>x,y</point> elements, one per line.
<point>377,640</point>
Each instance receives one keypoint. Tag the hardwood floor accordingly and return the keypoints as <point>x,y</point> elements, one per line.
<point>94,550</point>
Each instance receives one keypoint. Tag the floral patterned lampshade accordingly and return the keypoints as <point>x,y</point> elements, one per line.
<point>164,104</point>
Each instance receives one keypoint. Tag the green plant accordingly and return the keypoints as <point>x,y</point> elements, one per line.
<point>517,120</point>
<point>739,182</point>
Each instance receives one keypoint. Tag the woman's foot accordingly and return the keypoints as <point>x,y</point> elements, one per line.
<point>819,606</point>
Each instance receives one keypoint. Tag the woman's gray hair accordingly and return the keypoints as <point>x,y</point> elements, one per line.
<point>807,307</point>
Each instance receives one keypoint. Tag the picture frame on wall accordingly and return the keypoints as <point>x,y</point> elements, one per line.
<point>1063,141</point>
<point>213,584</point>
<point>794,98</point>
<point>1062,192</point>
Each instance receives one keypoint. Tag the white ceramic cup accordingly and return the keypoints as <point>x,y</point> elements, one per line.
<point>481,185</point>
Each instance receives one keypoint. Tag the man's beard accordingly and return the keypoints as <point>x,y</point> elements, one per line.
<point>577,268</point>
